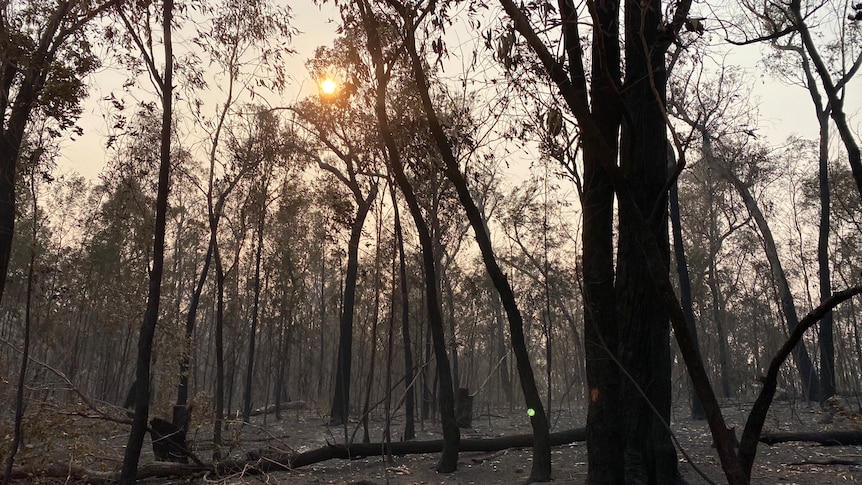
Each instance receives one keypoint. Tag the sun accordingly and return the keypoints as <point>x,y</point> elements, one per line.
<point>328,86</point>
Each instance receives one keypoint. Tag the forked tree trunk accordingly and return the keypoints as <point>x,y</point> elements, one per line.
<point>341,398</point>
<point>451,434</point>
<point>541,467</point>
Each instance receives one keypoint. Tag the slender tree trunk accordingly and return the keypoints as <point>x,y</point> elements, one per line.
<point>541,468</point>
<point>183,387</point>
<point>341,397</point>
<point>148,327</point>
<point>219,353</point>
<point>827,345</point>
<point>810,382</point>
<point>684,289</point>
<point>451,434</point>
<point>249,377</point>
<point>366,408</point>
<point>17,434</point>
<point>409,400</point>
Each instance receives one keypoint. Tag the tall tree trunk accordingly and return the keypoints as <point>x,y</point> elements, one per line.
<point>252,338</point>
<point>151,316</point>
<point>827,345</point>
<point>409,400</point>
<point>17,433</point>
<point>541,468</point>
<point>808,375</point>
<point>375,320</point>
<point>644,327</point>
<point>601,334</point>
<point>341,397</point>
<point>183,386</point>
<point>685,297</point>
<point>219,353</point>
<point>451,434</point>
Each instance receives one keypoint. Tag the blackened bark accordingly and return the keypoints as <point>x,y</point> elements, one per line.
<point>451,434</point>
<point>409,399</point>
<point>151,315</point>
<point>757,416</point>
<point>252,337</point>
<point>810,381</point>
<point>35,74</point>
<point>827,345</point>
<point>685,298</point>
<point>341,398</point>
<point>191,317</point>
<point>601,337</point>
<point>541,467</point>
<point>650,456</point>
<point>219,352</point>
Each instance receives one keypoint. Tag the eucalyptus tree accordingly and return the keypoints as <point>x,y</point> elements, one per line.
<point>163,78</point>
<point>713,114</point>
<point>815,46</point>
<point>245,39</point>
<point>821,40</point>
<point>344,146</point>
<point>384,65</point>
<point>46,55</point>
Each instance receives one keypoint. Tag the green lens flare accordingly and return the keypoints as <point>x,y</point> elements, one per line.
<point>531,412</point>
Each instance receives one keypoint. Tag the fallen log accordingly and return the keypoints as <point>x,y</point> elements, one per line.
<point>264,462</point>
<point>825,438</point>
<point>289,405</point>
<point>285,461</point>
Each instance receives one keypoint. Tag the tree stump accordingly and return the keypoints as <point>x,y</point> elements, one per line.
<point>169,441</point>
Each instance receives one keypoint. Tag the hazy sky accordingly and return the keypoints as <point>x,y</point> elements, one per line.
<point>784,110</point>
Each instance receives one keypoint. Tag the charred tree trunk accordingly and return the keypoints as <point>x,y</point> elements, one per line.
<point>451,434</point>
<point>650,456</point>
<point>685,298</point>
<point>541,469</point>
<point>409,400</point>
<point>151,315</point>
<point>341,398</point>
<point>252,337</point>
<point>810,382</point>
<point>827,345</point>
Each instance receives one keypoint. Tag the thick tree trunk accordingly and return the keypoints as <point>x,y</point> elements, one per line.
<point>650,456</point>
<point>601,334</point>
<point>151,315</point>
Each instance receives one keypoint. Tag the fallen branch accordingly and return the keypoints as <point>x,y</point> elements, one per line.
<point>263,463</point>
<point>825,438</point>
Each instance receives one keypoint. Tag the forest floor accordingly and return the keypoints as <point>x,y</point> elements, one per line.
<point>64,437</point>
